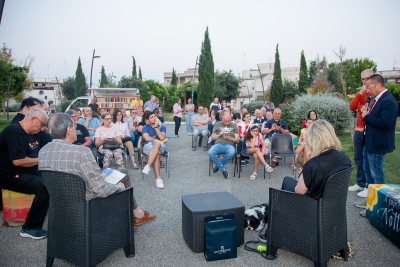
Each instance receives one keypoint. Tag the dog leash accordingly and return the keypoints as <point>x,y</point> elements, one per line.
<point>260,248</point>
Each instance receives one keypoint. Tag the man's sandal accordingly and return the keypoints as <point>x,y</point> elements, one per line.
<point>253,176</point>
<point>268,168</point>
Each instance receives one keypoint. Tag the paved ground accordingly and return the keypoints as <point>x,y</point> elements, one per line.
<point>160,243</point>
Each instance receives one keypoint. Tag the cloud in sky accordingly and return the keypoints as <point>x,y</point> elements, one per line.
<point>168,34</point>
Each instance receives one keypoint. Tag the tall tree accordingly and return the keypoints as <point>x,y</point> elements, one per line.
<point>277,87</point>
<point>290,90</point>
<point>80,81</point>
<point>140,74</point>
<point>312,72</point>
<point>173,80</point>
<point>226,85</point>
<point>68,88</point>
<point>205,93</point>
<point>12,75</point>
<point>103,78</point>
<point>134,74</point>
<point>303,79</point>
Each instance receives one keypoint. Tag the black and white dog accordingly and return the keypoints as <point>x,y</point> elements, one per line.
<point>256,217</point>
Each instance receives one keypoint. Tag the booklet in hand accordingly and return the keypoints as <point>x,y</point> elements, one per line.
<point>112,176</point>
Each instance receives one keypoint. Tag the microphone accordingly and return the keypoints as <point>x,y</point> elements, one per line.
<point>368,102</point>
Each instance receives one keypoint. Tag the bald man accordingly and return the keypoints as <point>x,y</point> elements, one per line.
<point>226,135</point>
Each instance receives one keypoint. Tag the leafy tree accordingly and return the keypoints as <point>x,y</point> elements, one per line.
<point>80,81</point>
<point>134,74</point>
<point>321,83</point>
<point>290,90</point>
<point>13,75</point>
<point>205,93</point>
<point>226,85</point>
<point>129,82</point>
<point>395,90</point>
<point>140,74</point>
<point>103,79</point>
<point>277,87</point>
<point>333,76</point>
<point>173,80</point>
<point>358,66</point>
<point>68,88</point>
<point>303,77</point>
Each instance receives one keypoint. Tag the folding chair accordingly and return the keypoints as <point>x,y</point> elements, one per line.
<point>234,160</point>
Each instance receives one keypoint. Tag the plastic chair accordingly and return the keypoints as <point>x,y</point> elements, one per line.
<point>245,154</point>
<point>234,160</point>
<point>81,231</point>
<point>314,228</point>
<point>282,145</point>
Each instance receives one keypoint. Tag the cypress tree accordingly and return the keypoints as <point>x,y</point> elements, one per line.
<point>205,90</point>
<point>80,81</point>
<point>173,80</point>
<point>277,86</point>
<point>303,77</point>
<point>140,74</point>
<point>103,78</point>
<point>134,74</point>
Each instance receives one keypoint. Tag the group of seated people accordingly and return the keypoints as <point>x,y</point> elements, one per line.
<point>254,135</point>
<point>34,141</point>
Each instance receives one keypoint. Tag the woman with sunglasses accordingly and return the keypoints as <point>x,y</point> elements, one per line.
<point>124,131</point>
<point>255,146</point>
<point>108,133</point>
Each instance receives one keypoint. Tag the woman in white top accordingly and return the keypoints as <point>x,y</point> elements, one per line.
<point>125,133</point>
<point>108,133</point>
<point>189,109</point>
<point>177,115</point>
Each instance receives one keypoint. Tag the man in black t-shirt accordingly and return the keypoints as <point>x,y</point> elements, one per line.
<point>82,134</point>
<point>19,149</point>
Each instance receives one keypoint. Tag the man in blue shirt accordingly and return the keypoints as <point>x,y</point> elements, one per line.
<point>154,145</point>
<point>151,104</point>
<point>89,122</point>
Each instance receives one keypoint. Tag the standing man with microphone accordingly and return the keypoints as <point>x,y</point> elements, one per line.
<point>359,102</point>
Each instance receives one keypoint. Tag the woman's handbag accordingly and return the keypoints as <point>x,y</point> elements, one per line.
<point>126,139</point>
<point>111,145</point>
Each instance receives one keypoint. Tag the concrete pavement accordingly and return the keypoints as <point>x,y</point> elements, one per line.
<point>160,243</point>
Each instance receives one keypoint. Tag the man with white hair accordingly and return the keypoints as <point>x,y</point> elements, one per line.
<point>151,104</point>
<point>19,150</point>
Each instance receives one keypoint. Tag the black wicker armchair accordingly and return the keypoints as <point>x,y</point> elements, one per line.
<point>314,228</point>
<point>85,232</point>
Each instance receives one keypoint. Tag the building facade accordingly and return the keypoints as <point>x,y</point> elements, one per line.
<point>186,76</point>
<point>253,87</point>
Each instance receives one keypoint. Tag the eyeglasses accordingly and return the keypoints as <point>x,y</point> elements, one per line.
<point>200,109</point>
<point>41,123</point>
<point>254,131</point>
<point>364,79</point>
<point>247,116</point>
<point>108,119</point>
<point>369,87</point>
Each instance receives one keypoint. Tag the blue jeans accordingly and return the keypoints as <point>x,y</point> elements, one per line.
<point>358,139</point>
<point>373,167</point>
<point>135,139</point>
<point>226,149</point>
<point>189,122</point>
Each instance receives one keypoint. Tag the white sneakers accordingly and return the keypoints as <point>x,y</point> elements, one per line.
<point>363,193</point>
<point>159,183</point>
<point>355,188</point>
<point>146,169</point>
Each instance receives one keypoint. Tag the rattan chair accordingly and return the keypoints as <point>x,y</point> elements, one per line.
<point>85,232</point>
<point>314,228</point>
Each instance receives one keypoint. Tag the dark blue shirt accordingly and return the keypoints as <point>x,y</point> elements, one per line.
<point>152,132</point>
<point>268,124</point>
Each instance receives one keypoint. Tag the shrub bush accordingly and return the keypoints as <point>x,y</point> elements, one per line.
<point>252,106</point>
<point>62,107</point>
<point>13,108</point>
<point>327,106</point>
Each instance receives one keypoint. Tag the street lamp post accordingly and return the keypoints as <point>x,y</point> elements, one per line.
<point>195,68</point>
<point>91,70</point>
<point>111,78</point>
<point>262,83</point>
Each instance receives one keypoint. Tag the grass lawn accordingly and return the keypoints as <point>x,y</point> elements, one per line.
<point>391,168</point>
<point>170,116</point>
